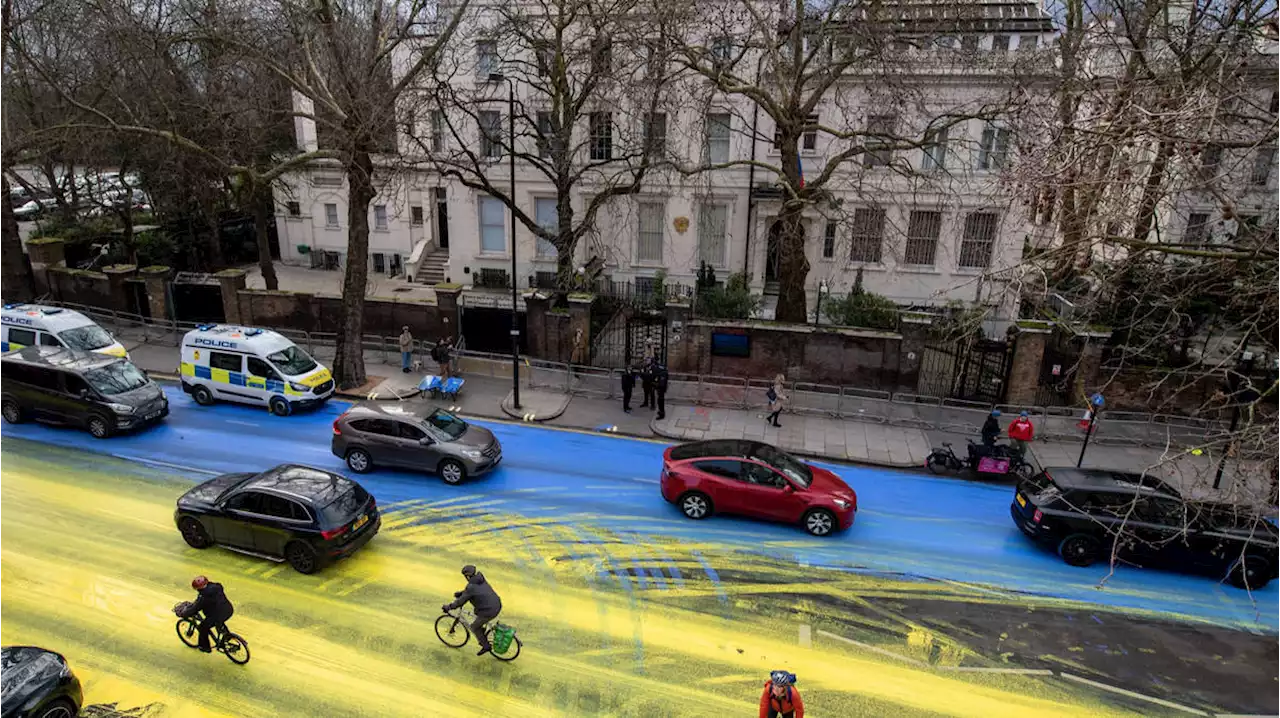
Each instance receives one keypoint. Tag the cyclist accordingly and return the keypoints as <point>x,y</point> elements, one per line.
<point>213,602</point>
<point>483,600</point>
<point>780,698</point>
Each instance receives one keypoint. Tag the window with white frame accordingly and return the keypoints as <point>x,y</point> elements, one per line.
<point>653,216</point>
<point>490,134</point>
<point>868,235</point>
<point>880,129</point>
<point>923,229</point>
<point>544,134</point>
<point>437,131</point>
<point>717,130</point>
<point>601,135</point>
<point>978,240</point>
<point>808,136</point>
<point>493,232</point>
<point>486,58</point>
<point>1197,230</point>
<point>993,151</point>
<point>655,134</point>
<point>1262,164</point>
<point>331,215</point>
<point>1027,43</point>
<point>1000,43</point>
<point>712,229</point>
<point>547,218</point>
<point>722,50</point>
<point>379,216</point>
<point>829,241</point>
<point>935,149</point>
<point>545,55</point>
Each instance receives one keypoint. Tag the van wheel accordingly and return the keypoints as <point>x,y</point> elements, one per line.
<point>1249,573</point>
<point>452,472</point>
<point>1079,550</point>
<point>301,557</point>
<point>12,412</point>
<point>359,461</point>
<point>99,426</point>
<point>279,406</point>
<point>202,396</point>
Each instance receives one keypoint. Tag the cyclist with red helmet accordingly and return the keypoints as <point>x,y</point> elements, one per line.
<point>212,601</point>
<point>780,698</point>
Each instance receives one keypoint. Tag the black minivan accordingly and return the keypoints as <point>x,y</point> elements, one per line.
<point>98,392</point>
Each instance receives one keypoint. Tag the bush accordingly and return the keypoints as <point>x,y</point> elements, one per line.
<point>732,301</point>
<point>862,309</point>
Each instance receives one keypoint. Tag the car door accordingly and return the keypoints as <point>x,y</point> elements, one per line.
<point>77,398</point>
<point>225,368</point>
<point>240,515</point>
<point>721,479</point>
<point>48,400</point>
<point>262,376</point>
<point>768,495</point>
<point>414,453</point>
<point>281,519</point>
<point>381,439</point>
<point>1163,532</point>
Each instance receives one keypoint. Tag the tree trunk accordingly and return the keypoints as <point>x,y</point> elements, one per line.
<point>1151,193</point>
<point>793,265</point>
<point>262,216</point>
<point>16,281</point>
<point>126,233</point>
<point>348,364</point>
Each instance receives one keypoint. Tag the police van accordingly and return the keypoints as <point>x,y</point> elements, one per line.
<point>27,325</point>
<point>251,366</point>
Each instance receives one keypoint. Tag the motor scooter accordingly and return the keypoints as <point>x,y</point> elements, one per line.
<point>999,461</point>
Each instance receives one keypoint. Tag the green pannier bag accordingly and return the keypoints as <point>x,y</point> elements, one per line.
<point>502,637</point>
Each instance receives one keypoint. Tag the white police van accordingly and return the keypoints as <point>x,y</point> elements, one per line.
<point>28,325</point>
<point>251,366</point>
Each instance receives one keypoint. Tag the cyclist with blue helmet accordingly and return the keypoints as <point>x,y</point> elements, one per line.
<point>781,699</point>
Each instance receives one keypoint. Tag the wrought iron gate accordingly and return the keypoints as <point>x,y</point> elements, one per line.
<point>197,297</point>
<point>970,370</point>
<point>1057,372</point>
<point>646,336</point>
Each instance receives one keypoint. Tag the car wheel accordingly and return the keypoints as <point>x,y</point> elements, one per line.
<point>819,522</point>
<point>359,461</point>
<point>202,396</point>
<point>1079,550</point>
<point>1249,573</point>
<point>452,472</point>
<point>193,533</point>
<point>61,708</point>
<point>12,412</point>
<point>695,505</point>
<point>99,426</point>
<point>301,557</point>
<point>279,406</point>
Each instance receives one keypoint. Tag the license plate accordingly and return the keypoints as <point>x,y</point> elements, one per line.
<point>152,415</point>
<point>1021,501</point>
<point>360,522</point>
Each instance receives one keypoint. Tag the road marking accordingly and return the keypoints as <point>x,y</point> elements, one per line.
<point>875,649</point>
<point>806,635</point>
<point>973,587</point>
<point>983,669</point>
<point>1131,694</point>
<point>165,464</point>
<point>645,481</point>
<point>241,423</point>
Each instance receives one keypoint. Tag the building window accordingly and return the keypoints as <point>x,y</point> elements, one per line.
<point>829,241</point>
<point>646,287</point>
<point>493,233</point>
<point>490,134</point>
<point>601,135</point>
<point>712,225</point>
<point>379,262</point>
<point>1210,159</point>
<point>717,129</point>
<point>868,235</point>
<point>331,215</point>
<point>1027,43</point>
<point>293,208</point>
<point>545,54</point>
<point>655,133</point>
<point>993,153</point>
<point>486,58</point>
<point>935,149</point>
<point>548,219</point>
<point>416,216</point>
<point>809,140</point>
<point>923,229</point>
<point>1197,231</point>
<point>656,61</point>
<point>652,218</point>
<point>1000,43</point>
<point>979,237</point>
<point>1262,164</point>
<point>722,50</point>
<point>880,129</point>
<point>437,131</point>
<point>544,134</point>
<point>380,216</point>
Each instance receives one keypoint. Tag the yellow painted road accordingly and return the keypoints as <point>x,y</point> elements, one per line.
<point>91,564</point>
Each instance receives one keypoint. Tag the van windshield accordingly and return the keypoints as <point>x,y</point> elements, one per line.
<point>292,361</point>
<point>86,338</point>
<point>116,378</point>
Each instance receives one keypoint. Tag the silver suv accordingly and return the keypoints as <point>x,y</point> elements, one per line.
<point>413,436</point>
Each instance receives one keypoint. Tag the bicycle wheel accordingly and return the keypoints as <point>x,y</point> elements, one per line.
<point>452,632</point>
<point>512,651</point>
<point>235,648</point>
<point>188,632</point>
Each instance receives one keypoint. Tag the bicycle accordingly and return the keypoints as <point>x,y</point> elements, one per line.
<point>235,648</point>
<point>454,630</point>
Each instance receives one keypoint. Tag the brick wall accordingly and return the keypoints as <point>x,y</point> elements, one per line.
<point>323,313</point>
<point>78,286</point>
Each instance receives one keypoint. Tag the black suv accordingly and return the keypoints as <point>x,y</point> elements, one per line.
<point>1086,513</point>
<point>298,514</point>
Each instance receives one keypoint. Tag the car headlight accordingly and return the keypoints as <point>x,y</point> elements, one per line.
<point>301,388</point>
<point>474,455</point>
<point>121,408</point>
<point>842,503</point>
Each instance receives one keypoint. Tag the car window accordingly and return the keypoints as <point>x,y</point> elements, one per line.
<point>411,432</point>
<point>344,508</point>
<point>784,463</point>
<point>762,475</point>
<point>1159,511</point>
<point>375,426</point>
<point>724,468</point>
<point>450,425</point>
<point>41,377</point>
<point>74,384</point>
<point>300,512</point>
<point>87,338</point>
<point>277,506</point>
<point>25,337</point>
<point>1105,502</point>
<point>250,501</point>
<point>293,361</point>
<point>257,367</point>
<point>223,360</point>
<point>49,340</point>
<point>116,378</point>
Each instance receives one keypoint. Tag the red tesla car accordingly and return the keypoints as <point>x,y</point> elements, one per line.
<point>749,478</point>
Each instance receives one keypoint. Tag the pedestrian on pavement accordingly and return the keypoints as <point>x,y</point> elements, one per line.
<point>1021,432</point>
<point>646,383</point>
<point>628,385</point>
<point>660,379</point>
<point>777,400</point>
<point>406,349</point>
<point>440,353</point>
<point>781,699</point>
<point>991,429</point>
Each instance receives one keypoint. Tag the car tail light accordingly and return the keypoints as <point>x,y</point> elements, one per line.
<point>1037,516</point>
<point>336,430</point>
<point>335,533</point>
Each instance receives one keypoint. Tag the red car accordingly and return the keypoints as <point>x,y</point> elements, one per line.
<point>749,478</point>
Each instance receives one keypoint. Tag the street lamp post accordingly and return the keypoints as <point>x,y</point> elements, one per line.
<point>515,309</point>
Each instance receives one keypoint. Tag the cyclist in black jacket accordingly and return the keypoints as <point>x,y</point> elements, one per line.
<point>483,599</point>
<point>213,602</point>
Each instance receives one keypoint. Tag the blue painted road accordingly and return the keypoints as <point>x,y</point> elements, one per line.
<point>917,525</point>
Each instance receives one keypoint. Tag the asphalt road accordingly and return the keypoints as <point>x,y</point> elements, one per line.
<point>609,584</point>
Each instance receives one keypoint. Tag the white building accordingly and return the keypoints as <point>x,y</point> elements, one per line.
<point>922,226</point>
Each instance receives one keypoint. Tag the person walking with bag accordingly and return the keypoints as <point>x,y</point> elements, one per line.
<point>777,400</point>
